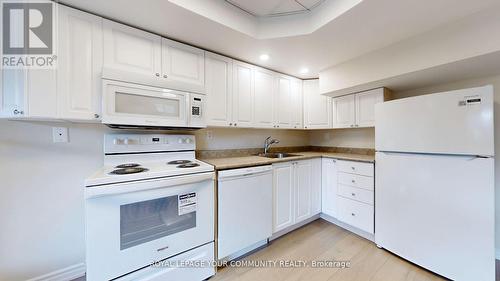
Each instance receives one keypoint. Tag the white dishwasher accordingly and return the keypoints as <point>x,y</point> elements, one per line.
<point>245,210</point>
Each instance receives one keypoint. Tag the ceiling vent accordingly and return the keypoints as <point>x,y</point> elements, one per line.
<point>275,8</point>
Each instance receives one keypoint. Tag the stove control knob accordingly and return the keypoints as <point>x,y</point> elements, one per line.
<point>126,141</point>
<point>117,141</point>
<point>180,140</point>
<point>188,140</point>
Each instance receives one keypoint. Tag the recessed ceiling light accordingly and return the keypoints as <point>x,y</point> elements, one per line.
<point>304,70</point>
<point>264,57</point>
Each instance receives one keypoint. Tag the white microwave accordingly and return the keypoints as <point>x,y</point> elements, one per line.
<point>134,105</point>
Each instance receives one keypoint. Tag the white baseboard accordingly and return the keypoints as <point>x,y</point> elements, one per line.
<point>364,234</point>
<point>63,274</point>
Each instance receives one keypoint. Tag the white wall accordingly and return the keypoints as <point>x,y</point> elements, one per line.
<point>41,201</point>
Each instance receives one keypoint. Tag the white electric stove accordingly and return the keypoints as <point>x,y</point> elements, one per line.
<point>151,202</point>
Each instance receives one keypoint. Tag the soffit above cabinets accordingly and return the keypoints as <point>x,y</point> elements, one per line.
<point>275,8</point>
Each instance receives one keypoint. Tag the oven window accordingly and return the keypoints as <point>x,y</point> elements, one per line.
<point>145,105</point>
<point>149,220</point>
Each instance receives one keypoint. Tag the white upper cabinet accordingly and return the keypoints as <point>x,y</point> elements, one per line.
<point>357,110</point>
<point>219,88</point>
<point>317,107</point>
<point>183,66</point>
<point>365,106</point>
<point>264,101</point>
<point>131,50</point>
<point>297,104</point>
<point>243,94</point>
<point>344,113</point>
<point>284,102</point>
<point>79,65</point>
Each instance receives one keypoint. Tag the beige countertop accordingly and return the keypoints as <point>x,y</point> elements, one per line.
<point>248,161</point>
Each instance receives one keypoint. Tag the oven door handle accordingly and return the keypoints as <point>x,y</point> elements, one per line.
<point>135,186</point>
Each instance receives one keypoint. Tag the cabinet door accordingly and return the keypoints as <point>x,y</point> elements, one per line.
<point>284,102</point>
<point>318,109</point>
<point>329,187</point>
<point>297,104</point>
<point>344,112</point>
<point>131,50</point>
<point>219,87</point>
<point>14,92</point>
<point>365,107</point>
<point>80,65</point>
<point>243,94</point>
<point>303,190</point>
<point>283,196</point>
<point>183,66</point>
<point>265,88</point>
<point>316,186</point>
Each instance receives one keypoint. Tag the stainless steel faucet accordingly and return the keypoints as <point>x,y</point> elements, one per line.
<point>268,142</point>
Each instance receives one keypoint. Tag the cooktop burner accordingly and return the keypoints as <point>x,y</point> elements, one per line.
<point>126,171</point>
<point>128,165</point>
<point>177,162</point>
<point>188,165</point>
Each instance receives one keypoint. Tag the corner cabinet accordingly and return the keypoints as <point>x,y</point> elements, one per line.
<point>317,107</point>
<point>72,91</point>
<point>358,110</point>
<point>80,65</point>
<point>296,192</point>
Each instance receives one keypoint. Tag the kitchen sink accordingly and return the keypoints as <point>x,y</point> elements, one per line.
<point>277,155</point>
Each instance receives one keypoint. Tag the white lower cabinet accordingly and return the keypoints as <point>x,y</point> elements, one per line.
<point>329,187</point>
<point>355,194</point>
<point>296,192</point>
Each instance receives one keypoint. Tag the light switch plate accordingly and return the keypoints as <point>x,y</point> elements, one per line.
<point>60,134</point>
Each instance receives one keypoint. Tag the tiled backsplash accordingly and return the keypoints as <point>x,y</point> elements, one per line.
<point>223,153</point>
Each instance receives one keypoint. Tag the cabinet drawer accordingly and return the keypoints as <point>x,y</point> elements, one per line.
<point>356,180</point>
<point>358,194</point>
<point>355,213</point>
<point>358,168</point>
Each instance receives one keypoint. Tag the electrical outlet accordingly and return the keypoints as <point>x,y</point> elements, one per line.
<point>210,135</point>
<point>60,134</point>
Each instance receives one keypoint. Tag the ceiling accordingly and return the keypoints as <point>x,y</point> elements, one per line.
<point>272,8</point>
<point>355,30</point>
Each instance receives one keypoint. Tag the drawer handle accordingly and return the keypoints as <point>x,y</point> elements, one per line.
<point>353,194</point>
<point>353,214</point>
<point>353,181</point>
<point>353,168</point>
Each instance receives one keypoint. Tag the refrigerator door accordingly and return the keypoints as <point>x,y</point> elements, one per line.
<point>457,122</point>
<point>437,211</point>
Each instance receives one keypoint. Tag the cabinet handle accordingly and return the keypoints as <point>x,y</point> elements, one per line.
<point>353,194</point>
<point>353,168</point>
<point>353,214</point>
<point>305,127</point>
<point>353,181</point>
<point>96,116</point>
<point>230,124</point>
<point>235,124</point>
<point>277,126</point>
<point>165,76</point>
<point>16,112</point>
<point>157,74</point>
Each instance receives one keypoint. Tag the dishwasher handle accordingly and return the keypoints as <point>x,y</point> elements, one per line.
<point>237,173</point>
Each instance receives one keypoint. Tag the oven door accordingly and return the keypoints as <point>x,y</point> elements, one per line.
<point>130,225</point>
<point>138,105</point>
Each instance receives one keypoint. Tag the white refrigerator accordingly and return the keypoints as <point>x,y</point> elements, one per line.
<point>434,197</point>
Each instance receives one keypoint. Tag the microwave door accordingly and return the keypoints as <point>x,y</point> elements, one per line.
<point>144,106</point>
